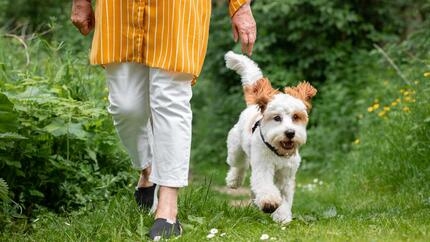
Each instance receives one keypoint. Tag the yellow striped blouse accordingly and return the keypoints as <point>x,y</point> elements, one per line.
<point>166,34</point>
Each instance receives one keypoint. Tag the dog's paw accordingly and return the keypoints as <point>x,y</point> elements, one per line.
<point>233,184</point>
<point>268,203</point>
<point>234,178</point>
<point>282,215</point>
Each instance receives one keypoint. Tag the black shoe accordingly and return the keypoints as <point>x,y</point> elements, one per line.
<point>163,229</point>
<point>144,196</point>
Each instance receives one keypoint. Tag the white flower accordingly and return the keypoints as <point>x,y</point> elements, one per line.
<point>214,231</point>
<point>210,236</point>
<point>66,223</point>
<point>283,228</point>
<point>264,237</point>
<point>222,235</point>
<point>321,182</point>
<point>157,238</point>
<point>315,180</point>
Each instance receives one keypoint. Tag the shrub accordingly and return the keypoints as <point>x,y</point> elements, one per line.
<point>57,145</point>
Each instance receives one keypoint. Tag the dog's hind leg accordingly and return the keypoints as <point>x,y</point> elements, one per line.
<point>236,158</point>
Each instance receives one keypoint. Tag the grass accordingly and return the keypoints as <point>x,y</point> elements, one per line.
<point>320,214</point>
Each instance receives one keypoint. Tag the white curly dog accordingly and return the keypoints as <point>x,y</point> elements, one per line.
<point>268,136</point>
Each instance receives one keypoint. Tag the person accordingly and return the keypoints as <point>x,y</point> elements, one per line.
<point>153,52</point>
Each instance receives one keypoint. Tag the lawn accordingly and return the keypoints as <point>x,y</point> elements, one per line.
<point>321,213</point>
<point>365,170</point>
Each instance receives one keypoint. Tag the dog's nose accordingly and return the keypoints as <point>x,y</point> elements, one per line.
<point>290,133</point>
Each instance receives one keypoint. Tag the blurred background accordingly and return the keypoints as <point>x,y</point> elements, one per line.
<point>368,133</point>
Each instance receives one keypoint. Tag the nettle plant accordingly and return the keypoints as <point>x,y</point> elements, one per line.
<point>57,152</point>
<point>58,148</point>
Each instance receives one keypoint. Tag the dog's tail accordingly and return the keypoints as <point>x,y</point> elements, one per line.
<point>245,67</point>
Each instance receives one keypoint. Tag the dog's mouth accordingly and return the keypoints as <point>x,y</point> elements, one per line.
<point>287,145</point>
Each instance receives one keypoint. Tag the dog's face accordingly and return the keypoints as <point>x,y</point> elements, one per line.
<point>285,114</point>
<point>284,123</point>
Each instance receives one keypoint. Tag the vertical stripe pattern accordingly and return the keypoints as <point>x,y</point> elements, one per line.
<point>166,34</point>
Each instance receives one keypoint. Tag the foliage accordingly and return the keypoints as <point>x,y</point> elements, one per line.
<point>4,190</point>
<point>324,42</point>
<point>309,39</point>
<point>57,144</point>
<point>391,146</point>
<point>30,16</point>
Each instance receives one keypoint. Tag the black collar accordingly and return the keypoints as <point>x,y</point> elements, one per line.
<point>273,149</point>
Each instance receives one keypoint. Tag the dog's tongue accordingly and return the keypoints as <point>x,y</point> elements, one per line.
<point>287,144</point>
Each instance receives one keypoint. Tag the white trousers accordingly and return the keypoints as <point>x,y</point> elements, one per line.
<point>152,115</point>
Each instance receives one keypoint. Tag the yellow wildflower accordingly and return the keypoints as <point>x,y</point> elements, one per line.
<point>386,108</point>
<point>394,103</point>
<point>398,100</point>
<point>356,141</point>
<point>406,109</point>
<point>382,114</point>
<point>375,106</point>
<point>426,74</point>
<point>407,99</point>
<point>370,109</point>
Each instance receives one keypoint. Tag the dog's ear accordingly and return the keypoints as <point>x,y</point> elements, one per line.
<point>260,93</point>
<point>303,91</point>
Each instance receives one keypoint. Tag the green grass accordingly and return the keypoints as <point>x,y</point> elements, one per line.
<point>321,214</point>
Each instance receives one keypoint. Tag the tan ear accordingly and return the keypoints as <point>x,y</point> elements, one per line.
<point>260,93</point>
<point>303,91</point>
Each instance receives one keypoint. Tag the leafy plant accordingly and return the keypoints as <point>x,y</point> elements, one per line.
<point>4,190</point>
<point>58,147</point>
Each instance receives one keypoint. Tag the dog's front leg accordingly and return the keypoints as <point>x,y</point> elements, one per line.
<point>267,195</point>
<point>286,181</point>
<point>283,214</point>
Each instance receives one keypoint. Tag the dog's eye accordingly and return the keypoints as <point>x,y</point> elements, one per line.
<point>296,117</point>
<point>277,118</point>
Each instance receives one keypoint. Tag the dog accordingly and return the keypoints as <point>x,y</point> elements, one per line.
<point>267,137</point>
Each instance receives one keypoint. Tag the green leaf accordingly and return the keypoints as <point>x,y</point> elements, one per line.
<point>12,136</point>
<point>76,130</point>
<point>13,163</point>
<point>92,154</point>
<point>8,117</point>
<point>36,193</point>
<point>57,128</point>
<point>4,190</point>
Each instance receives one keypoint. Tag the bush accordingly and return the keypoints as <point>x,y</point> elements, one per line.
<point>58,147</point>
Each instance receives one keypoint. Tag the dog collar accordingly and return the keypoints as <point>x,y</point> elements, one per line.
<point>273,149</point>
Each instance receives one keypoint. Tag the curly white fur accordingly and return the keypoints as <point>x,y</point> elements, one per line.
<point>245,67</point>
<point>272,176</point>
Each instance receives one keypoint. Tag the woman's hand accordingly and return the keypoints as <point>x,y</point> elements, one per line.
<point>83,16</point>
<point>244,28</point>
